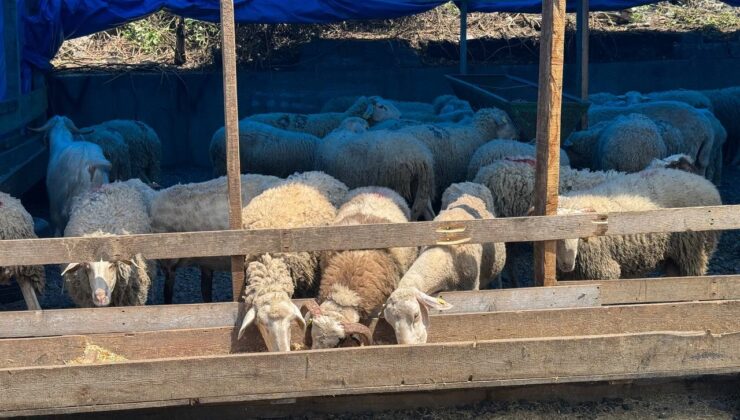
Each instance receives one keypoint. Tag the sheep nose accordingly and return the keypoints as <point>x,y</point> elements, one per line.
<point>100,297</point>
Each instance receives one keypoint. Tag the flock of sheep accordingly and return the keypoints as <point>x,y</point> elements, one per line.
<point>369,160</point>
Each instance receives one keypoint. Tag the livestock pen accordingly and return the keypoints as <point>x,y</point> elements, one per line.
<point>559,332</point>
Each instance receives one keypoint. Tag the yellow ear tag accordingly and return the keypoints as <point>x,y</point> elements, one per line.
<point>441,301</point>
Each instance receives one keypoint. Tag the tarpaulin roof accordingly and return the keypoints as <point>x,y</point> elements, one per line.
<point>47,23</point>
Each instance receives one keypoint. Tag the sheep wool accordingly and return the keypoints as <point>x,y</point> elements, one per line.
<point>114,149</point>
<point>144,147</point>
<point>334,190</point>
<point>113,209</point>
<point>16,223</point>
<point>499,149</point>
<point>265,149</point>
<point>726,107</point>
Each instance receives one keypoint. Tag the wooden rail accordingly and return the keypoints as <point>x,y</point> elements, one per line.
<point>242,242</point>
<point>471,364</point>
<point>216,315</point>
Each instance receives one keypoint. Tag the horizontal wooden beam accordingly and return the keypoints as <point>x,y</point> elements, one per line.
<point>244,242</point>
<point>665,289</point>
<point>262,376</point>
<point>208,315</point>
<point>718,317</point>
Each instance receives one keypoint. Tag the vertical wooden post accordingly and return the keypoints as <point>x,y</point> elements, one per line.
<point>464,37</point>
<point>582,42</point>
<point>552,44</point>
<point>231,126</point>
<point>10,43</point>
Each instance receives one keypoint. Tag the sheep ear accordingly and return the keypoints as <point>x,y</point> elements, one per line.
<point>530,212</point>
<point>369,111</point>
<point>71,268</point>
<point>432,302</point>
<point>249,318</point>
<point>299,318</point>
<point>129,263</point>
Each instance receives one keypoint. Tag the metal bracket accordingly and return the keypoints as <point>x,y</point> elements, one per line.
<point>451,235</point>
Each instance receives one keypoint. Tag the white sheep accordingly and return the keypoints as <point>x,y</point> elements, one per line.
<point>334,190</point>
<point>272,279</point>
<point>690,97</point>
<point>195,207</point>
<point>452,146</point>
<point>714,170</point>
<point>499,149</point>
<point>74,168</point>
<point>374,109</point>
<point>696,129</point>
<point>612,257</point>
<point>114,149</point>
<point>16,223</point>
<point>113,209</point>
<point>443,267</point>
<point>380,158</point>
<point>144,147</point>
<point>266,150</point>
<point>356,283</point>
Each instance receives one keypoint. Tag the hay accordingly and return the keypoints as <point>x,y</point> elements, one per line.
<point>95,354</point>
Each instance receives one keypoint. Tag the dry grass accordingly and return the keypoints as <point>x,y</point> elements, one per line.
<point>95,354</point>
<point>151,41</point>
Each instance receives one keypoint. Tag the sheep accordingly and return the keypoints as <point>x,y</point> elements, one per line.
<point>373,109</point>
<point>339,103</point>
<point>201,206</point>
<point>266,150</point>
<point>113,209</point>
<point>696,129</point>
<point>498,149</point>
<point>690,97</point>
<point>272,279</point>
<point>714,170</point>
<point>612,257</point>
<point>680,162</point>
<point>453,146</point>
<point>355,284</point>
<point>144,147</point>
<point>16,223</point>
<point>381,158</point>
<point>726,107</point>
<point>114,149</point>
<point>74,167</point>
<point>334,190</point>
<point>442,267</point>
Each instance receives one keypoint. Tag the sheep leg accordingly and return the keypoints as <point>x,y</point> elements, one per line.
<point>206,284</point>
<point>29,294</point>
<point>170,272</point>
<point>428,211</point>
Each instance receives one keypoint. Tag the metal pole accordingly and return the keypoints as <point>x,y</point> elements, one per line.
<point>549,101</point>
<point>463,37</point>
<point>582,42</point>
<point>231,127</point>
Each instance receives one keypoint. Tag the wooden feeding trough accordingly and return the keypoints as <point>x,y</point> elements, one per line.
<point>516,96</point>
<point>189,354</point>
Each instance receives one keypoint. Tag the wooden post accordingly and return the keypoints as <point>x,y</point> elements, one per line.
<point>231,126</point>
<point>180,42</point>
<point>464,37</point>
<point>549,100</point>
<point>582,38</point>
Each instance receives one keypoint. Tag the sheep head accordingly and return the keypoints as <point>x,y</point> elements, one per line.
<point>101,276</point>
<point>327,330</point>
<point>379,109</point>
<point>267,296</point>
<point>495,124</point>
<point>407,311</point>
<point>567,249</point>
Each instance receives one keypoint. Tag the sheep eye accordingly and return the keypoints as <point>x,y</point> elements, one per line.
<point>416,316</point>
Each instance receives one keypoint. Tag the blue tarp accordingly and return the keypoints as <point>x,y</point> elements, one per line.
<point>49,22</point>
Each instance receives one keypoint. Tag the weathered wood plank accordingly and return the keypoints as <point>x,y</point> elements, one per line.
<point>336,372</point>
<point>205,244</point>
<point>666,289</point>
<point>574,296</point>
<point>231,127</point>
<point>549,102</point>
<point>717,317</point>
<point>168,317</point>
